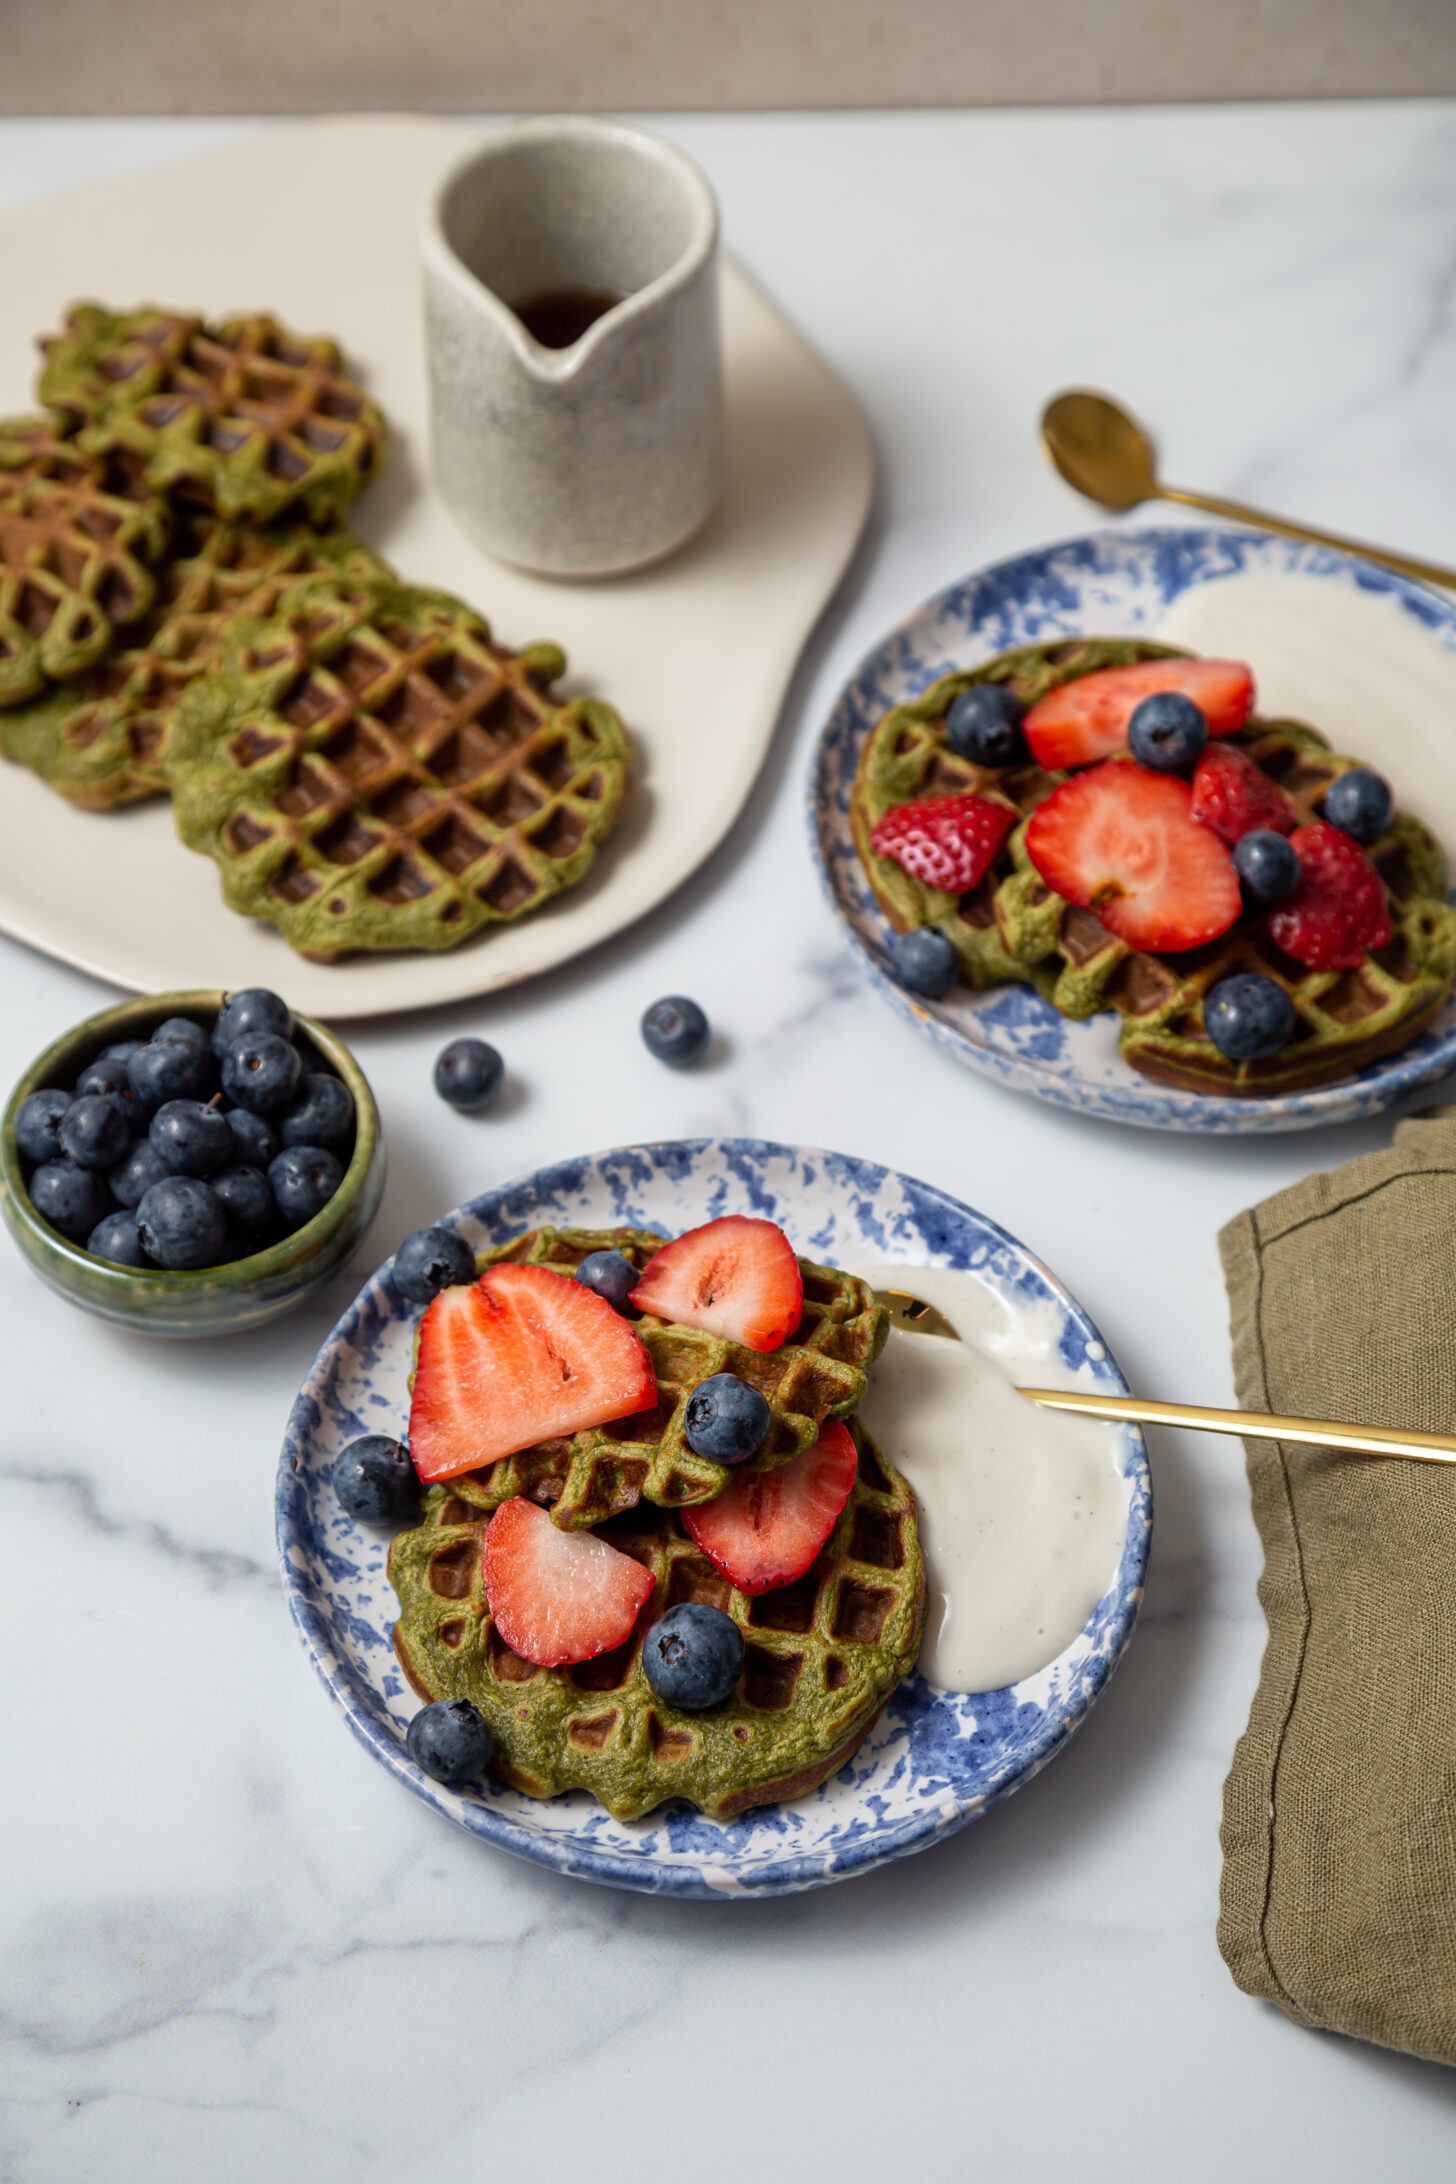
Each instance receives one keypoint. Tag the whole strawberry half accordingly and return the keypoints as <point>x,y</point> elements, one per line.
<point>767,1526</point>
<point>1087,718</point>
<point>1123,842</point>
<point>733,1277</point>
<point>558,1596</point>
<point>521,1356</point>
<point>1339,908</point>
<point>944,841</point>
<point>1233,797</point>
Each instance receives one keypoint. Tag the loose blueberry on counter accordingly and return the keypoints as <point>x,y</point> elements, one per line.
<point>984,725</point>
<point>429,1261</point>
<point>171,1069</point>
<point>925,961</point>
<point>1167,732</point>
<point>322,1115</point>
<point>693,1656</point>
<point>1248,1017</point>
<point>1359,802</point>
<point>262,1072</point>
<point>253,1010</point>
<point>103,1077</point>
<point>675,1030</point>
<point>611,1274</point>
<point>1268,865</point>
<point>255,1141</point>
<point>117,1238</point>
<point>727,1419</point>
<point>181,1224</point>
<point>181,1027</point>
<point>134,1177</point>
<point>245,1198</point>
<point>303,1179</point>
<point>449,1741</point>
<point>72,1199</point>
<point>95,1130</point>
<point>190,1138</point>
<point>38,1124</point>
<point>468,1075</point>
<point>374,1480</point>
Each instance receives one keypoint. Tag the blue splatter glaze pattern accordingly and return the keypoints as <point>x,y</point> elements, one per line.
<point>934,1761</point>
<point>1107,584</point>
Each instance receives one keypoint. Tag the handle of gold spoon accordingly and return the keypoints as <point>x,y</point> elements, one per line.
<point>1426,572</point>
<point>1431,1448</point>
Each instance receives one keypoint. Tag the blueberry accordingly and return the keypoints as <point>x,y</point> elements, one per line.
<point>243,1014</point>
<point>171,1069</point>
<point>925,961</point>
<point>303,1179</point>
<point>133,1177</point>
<point>429,1261</point>
<point>102,1077</point>
<point>692,1656</point>
<point>181,1027</point>
<point>611,1274</point>
<point>72,1199</point>
<point>262,1072</point>
<point>727,1419</point>
<point>38,1124</point>
<point>449,1741</point>
<point>95,1131</point>
<point>675,1030</point>
<point>122,1051</point>
<point>255,1141</point>
<point>247,1201</point>
<point>1248,1017</point>
<point>1167,732</point>
<point>1268,865</point>
<point>190,1138</point>
<point>468,1074</point>
<point>375,1481</point>
<point>1360,803</point>
<point>984,725</point>
<point>181,1223</point>
<point>116,1238</point>
<point>323,1115</point>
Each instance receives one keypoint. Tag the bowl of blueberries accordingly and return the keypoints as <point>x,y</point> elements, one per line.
<point>191,1163</point>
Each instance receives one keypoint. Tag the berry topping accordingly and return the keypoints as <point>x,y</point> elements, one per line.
<point>429,1261</point>
<point>135,1175</point>
<point>323,1114</point>
<point>1359,801</point>
<point>675,1030</point>
<point>1231,796</point>
<point>1088,717</point>
<point>944,841</point>
<point>1167,732</point>
<point>611,1274</point>
<point>1248,1017</point>
<point>253,1010</point>
<point>116,1239</point>
<point>181,1224</point>
<point>190,1139</point>
<point>303,1179</point>
<point>171,1069</point>
<point>261,1072</point>
<point>71,1198</point>
<point>523,1355</point>
<point>95,1130</point>
<point>374,1480</point>
<point>1123,843</point>
<point>1338,909</point>
<point>766,1527</point>
<point>449,1742</point>
<point>558,1596</point>
<point>38,1124</point>
<point>984,725</point>
<point>733,1277</point>
<point>925,961</point>
<point>693,1656</point>
<point>1268,865</point>
<point>468,1075</point>
<point>726,1419</point>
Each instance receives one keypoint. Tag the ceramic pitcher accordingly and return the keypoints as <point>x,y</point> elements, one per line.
<point>606,452</point>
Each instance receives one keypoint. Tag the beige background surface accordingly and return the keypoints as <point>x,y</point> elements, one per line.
<point>496,56</point>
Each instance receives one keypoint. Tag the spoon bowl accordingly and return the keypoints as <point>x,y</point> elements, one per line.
<point>1099,449</point>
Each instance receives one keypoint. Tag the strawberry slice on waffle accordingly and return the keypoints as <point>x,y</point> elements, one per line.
<point>1086,719</point>
<point>1339,909</point>
<point>766,1527</point>
<point>734,1277</point>
<point>558,1596</point>
<point>1123,843</point>
<point>944,841</point>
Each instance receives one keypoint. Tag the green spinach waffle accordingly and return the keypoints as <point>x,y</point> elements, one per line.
<point>242,417</point>
<point>821,1658</point>
<point>75,568</point>
<point>1011,927</point>
<point>818,1374</point>
<point>396,781</point>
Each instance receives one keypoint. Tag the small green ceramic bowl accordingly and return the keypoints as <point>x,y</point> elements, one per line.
<point>220,1300</point>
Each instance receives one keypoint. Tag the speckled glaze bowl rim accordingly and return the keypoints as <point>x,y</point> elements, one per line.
<point>133,1287</point>
<point>581,1858</point>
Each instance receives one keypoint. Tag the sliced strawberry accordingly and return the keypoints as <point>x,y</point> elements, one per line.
<point>1122,842</point>
<point>1339,908</point>
<point>1233,797</point>
<point>944,841</point>
<point>515,1358</point>
<point>733,1277</point>
<point>766,1527</point>
<point>1087,718</point>
<point>558,1596</point>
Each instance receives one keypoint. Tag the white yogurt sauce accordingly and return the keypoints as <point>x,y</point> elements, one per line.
<point>1023,1512</point>
<point>1353,664</point>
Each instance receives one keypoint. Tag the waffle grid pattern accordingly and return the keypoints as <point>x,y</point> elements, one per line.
<point>73,569</point>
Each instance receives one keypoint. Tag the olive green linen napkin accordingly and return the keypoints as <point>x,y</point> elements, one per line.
<point>1339,1831</point>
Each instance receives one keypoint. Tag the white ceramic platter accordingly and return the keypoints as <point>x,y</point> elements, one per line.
<point>316,221</point>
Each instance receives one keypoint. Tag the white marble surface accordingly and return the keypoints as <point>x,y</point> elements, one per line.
<point>229,1947</point>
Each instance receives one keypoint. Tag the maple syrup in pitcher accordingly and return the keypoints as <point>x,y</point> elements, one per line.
<point>559,316</point>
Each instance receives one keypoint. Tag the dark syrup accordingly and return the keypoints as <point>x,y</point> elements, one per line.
<point>559,316</point>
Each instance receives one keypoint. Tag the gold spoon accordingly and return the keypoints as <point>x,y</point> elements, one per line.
<point>1105,453</point>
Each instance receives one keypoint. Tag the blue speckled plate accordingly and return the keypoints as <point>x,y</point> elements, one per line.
<point>1108,584</point>
<point>933,1761</point>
